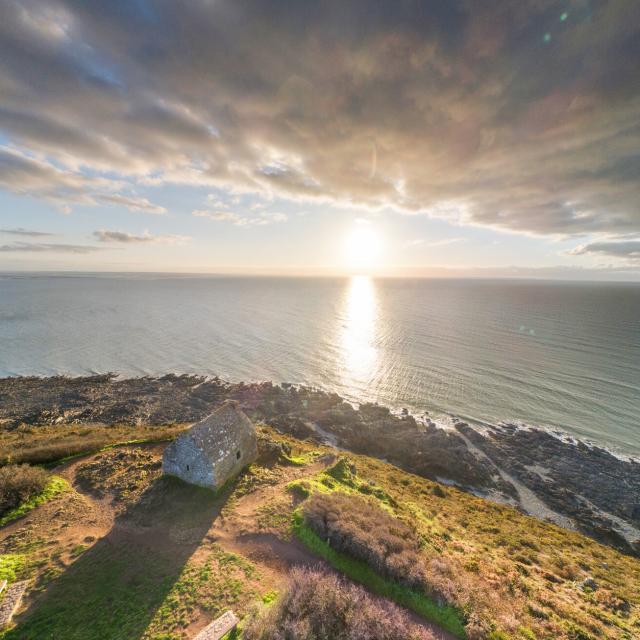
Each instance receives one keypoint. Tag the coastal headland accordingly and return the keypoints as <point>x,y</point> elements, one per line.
<point>323,529</point>
<point>543,473</point>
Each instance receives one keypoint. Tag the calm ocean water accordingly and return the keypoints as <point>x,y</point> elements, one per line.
<point>565,355</point>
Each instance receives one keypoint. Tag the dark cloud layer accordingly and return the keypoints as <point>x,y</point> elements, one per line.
<point>517,115</point>
<point>628,249</point>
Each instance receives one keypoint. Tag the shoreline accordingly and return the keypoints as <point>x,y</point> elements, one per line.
<point>441,418</point>
<point>540,471</point>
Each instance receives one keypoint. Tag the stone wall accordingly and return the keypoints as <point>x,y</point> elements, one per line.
<point>228,464</point>
<point>184,459</point>
<point>208,456</point>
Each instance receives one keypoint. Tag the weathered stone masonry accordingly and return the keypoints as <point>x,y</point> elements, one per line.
<point>213,450</point>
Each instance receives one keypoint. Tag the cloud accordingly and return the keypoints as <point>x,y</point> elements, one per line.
<point>482,113</point>
<point>19,231</point>
<point>122,237</point>
<point>624,249</point>
<point>220,216</point>
<point>262,218</point>
<point>27,175</point>
<point>216,203</point>
<point>42,247</point>
<point>132,203</point>
<point>23,174</point>
<point>444,242</point>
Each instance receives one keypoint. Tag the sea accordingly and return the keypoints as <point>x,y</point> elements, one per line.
<point>559,355</point>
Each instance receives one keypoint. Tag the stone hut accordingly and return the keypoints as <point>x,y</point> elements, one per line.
<point>214,449</point>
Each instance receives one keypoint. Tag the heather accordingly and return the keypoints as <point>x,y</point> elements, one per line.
<point>318,605</point>
<point>391,547</point>
<point>19,483</point>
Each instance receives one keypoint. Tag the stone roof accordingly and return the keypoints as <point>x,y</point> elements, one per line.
<point>228,420</point>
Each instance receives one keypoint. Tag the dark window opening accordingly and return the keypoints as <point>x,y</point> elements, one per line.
<point>238,455</point>
<point>187,467</point>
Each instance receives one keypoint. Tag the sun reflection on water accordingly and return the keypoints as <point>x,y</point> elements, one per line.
<point>359,351</point>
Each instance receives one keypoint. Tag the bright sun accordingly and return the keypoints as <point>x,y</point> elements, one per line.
<point>362,247</point>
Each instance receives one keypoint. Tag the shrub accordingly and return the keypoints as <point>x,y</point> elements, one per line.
<point>322,606</point>
<point>438,491</point>
<point>18,483</point>
<point>361,529</point>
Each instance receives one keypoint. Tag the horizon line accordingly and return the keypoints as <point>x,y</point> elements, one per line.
<point>345,276</point>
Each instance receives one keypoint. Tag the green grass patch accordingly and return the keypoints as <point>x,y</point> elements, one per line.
<point>305,487</point>
<point>341,477</point>
<point>297,461</point>
<point>78,550</point>
<point>55,487</point>
<point>445,616</point>
<point>144,587</point>
<point>11,564</point>
<point>220,584</point>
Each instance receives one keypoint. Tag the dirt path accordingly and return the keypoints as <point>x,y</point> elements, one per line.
<point>160,522</point>
<point>272,548</point>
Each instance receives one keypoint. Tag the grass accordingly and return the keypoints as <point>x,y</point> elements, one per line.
<point>505,561</point>
<point>98,602</point>
<point>141,583</point>
<point>223,581</point>
<point>447,617</point>
<point>527,572</point>
<point>108,447</point>
<point>11,565</point>
<point>340,477</point>
<point>51,444</point>
<point>54,487</point>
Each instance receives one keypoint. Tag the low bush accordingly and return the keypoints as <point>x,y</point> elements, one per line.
<point>51,444</point>
<point>322,606</point>
<point>447,617</point>
<point>361,529</point>
<point>18,483</point>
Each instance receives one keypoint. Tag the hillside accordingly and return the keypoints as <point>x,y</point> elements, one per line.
<point>575,484</point>
<point>122,552</point>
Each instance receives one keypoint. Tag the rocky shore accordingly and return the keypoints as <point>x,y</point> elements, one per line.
<point>572,483</point>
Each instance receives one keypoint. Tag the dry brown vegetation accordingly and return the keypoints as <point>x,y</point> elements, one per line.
<point>364,530</point>
<point>513,576</point>
<point>18,483</point>
<point>43,444</point>
<point>322,606</point>
<point>122,473</point>
<point>360,528</point>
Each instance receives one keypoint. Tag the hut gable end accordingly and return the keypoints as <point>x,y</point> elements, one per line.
<point>213,450</point>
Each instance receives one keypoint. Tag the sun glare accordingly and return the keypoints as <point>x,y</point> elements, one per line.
<point>362,248</point>
<point>358,333</point>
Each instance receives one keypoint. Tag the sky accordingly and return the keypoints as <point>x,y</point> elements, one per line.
<point>406,137</point>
